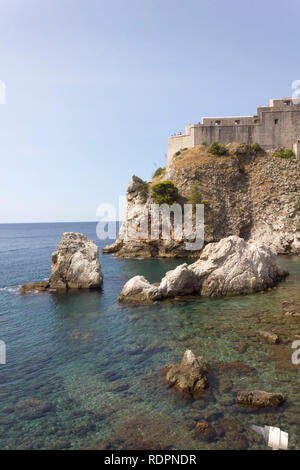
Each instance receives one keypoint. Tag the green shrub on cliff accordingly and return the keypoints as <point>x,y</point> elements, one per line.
<point>256,147</point>
<point>195,196</point>
<point>286,154</point>
<point>164,193</point>
<point>158,172</point>
<point>218,149</point>
<point>143,188</point>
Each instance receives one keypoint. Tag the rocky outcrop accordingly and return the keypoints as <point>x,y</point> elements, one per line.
<point>138,290</point>
<point>229,267</point>
<point>75,265</point>
<point>205,431</point>
<point>253,195</point>
<point>32,408</point>
<point>268,337</point>
<point>260,399</point>
<point>35,287</point>
<point>189,377</point>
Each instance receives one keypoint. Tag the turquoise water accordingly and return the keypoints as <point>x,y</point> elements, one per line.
<point>96,365</point>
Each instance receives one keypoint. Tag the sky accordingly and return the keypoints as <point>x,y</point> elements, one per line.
<point>94,88</point>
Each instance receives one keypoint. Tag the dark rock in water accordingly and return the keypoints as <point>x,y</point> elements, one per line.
<point>259,398</point>
<point>269,337</point>
<point>58,444</point>
<point>205,431</point>
<point>83,428</point>
<point>236,441</point>
<point>189,377</point>
<point>32,408</point>
<point>3,379</point>
<point>228,424</point>
<point>235,367</point>
<point>34,287</point>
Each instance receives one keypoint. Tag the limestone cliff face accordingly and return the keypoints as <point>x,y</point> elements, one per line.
<point>252,195</point>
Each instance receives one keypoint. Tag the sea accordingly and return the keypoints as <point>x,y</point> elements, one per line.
<point>83,371</point>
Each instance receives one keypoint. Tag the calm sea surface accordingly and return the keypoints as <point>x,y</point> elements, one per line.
<point>93,367</point>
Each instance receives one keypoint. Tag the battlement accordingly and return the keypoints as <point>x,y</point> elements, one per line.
<point>275,125</point>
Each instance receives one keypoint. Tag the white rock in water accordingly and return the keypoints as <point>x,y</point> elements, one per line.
<point>138,289</point>
<point>180,279</point>
<point>75,263</point>
<point>231,266</point>
<point>234,266</point>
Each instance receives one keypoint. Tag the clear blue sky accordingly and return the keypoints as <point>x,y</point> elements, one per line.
<point>95,87</point>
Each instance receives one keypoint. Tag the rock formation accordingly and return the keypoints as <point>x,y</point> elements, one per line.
<point>189,377</point>
<point>75,265</point>
<point>260,399</point>
<point>269,337</point>
<point>137,290</point>
<point>251,194</point>
<point>230,267</point>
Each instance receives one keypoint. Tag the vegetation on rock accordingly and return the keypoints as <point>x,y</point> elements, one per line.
<point>196,196</point>
<point>159,172</point>
<point>218,149</point>
<point>164,193</point>
<point>143,188</point>
<point>286,154</point>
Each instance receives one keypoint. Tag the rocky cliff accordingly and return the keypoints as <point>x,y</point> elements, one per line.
<point>248,193</point>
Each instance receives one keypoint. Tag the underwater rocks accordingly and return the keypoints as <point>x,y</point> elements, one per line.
<point>189,377</point>
<point>260,399</point>
<point>75,265</point>
<point>205,431</point>
<point>230,267</point>
<point>268,337</point>
<point>32,408</point>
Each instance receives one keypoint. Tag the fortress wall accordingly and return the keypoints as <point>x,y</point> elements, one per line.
<point>224,134</point>
<point>277,125</point>
<point>178,142</point>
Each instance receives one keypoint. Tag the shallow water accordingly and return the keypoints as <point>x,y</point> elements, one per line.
<point>98,363</point>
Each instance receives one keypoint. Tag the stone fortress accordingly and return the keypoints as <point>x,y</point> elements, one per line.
<point>274,126</point>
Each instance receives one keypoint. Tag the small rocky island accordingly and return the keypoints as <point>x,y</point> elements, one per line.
<point>189,377</point>
<point>231,266</point>
<point>75,265</point>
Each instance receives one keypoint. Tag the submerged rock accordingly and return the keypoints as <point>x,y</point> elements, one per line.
<point>189,377</point>
<point>230,267</point>
<point>75,265</point>
<point>32,408</point>
<point>268,337</point>
<point>205,431</point>
<point>259,398</point>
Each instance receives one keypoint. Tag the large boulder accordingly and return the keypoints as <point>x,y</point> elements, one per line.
<point>230,267</point>
<point>139,290</point>
<point>260,399</point>
<point>189,377</point>
<point>180,280</point>
<point>75,263</point>
<point>234,266</point>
